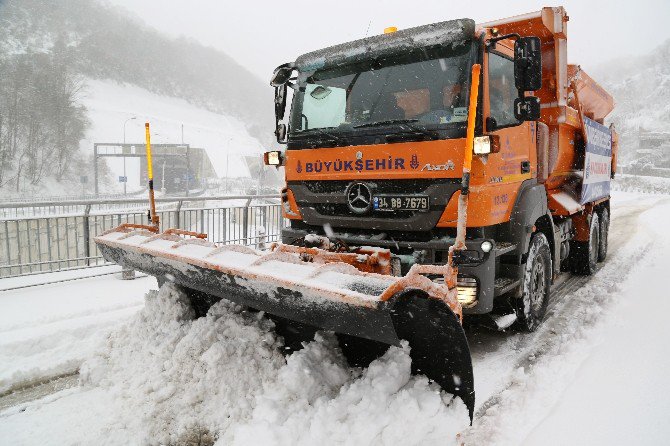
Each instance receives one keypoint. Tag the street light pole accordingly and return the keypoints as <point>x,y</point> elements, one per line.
<point>125,183</point>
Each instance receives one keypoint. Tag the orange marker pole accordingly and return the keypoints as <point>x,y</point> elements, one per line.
<point>467,161</point>
<point>153,217</point>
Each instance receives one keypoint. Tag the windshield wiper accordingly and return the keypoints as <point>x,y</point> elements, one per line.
<point>388,121</point>
<point>403,122</point>
<point>336,139</point>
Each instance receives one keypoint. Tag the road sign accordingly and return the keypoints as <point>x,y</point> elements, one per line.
<point>597,162</point>
<point>123,179</point>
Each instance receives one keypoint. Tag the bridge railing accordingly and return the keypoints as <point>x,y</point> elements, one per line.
<point>59,236</point>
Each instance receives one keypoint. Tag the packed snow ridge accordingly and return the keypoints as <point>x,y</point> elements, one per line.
<point>169,374</point>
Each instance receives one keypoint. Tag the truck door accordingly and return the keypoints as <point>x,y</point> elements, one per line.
<point>516,161</point>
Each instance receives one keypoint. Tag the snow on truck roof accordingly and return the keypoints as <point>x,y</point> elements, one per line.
<point>452,32</point>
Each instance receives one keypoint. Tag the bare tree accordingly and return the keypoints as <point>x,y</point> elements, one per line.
<point>41,121</point>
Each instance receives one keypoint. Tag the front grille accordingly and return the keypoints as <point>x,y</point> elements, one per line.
<point>413,186</point>
<point>331,209</point>
<point>325,202</point>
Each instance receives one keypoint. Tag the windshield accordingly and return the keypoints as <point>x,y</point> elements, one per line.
<point>427,88</point>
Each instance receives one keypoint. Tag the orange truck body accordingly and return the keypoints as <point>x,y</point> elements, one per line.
<point>546,154</point>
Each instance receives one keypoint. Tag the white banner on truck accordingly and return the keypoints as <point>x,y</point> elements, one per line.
<point>597,162</point>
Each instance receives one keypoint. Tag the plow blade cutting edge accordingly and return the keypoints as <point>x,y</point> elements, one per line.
<point>327,294</point>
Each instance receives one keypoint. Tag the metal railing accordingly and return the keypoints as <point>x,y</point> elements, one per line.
<point>57,198</point>
<point>64,207</point>
<point>47,243</point>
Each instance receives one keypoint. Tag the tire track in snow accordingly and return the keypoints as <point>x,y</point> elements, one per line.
<point>576,305</point>
<point>31,391</point>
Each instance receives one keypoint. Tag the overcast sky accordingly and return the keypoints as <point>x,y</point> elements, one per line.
<point>261,34</point>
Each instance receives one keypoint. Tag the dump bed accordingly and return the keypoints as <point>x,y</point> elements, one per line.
<point>596,102</point>
<point>558,77</point>
<point>574,106</point>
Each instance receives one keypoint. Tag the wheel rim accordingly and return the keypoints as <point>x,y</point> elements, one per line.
<point>537,286</point>
<point>593,247</point>
<point>604,229</point>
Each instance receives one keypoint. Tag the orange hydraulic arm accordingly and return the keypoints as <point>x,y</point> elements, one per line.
<point>467,161</point>
<point>150,175</point>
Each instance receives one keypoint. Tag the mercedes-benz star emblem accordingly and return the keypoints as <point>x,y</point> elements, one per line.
<point>359,198</point>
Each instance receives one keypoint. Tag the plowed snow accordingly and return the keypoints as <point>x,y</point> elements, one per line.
<point>164,376</point>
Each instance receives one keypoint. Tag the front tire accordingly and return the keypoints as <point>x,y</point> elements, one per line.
<point>532,305</point>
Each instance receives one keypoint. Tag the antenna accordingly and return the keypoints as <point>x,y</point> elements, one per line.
<point>368,30</point>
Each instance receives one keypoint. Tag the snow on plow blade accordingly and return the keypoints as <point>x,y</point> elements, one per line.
<point>321,292</point>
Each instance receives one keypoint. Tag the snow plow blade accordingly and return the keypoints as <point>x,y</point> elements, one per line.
<point>318,288</point>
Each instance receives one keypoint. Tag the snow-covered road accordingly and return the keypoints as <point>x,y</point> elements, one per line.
<point>593,374</point>
<point>47,331</point>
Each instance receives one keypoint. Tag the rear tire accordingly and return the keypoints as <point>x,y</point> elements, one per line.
<point>584,255</point>
<point>604,232</point>
<point>532,305</point>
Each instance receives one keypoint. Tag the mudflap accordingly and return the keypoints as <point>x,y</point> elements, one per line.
<point>439,348</point>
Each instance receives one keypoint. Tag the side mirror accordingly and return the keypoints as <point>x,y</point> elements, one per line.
<point>280,133</point>
<point>281,75</point>
<point>527,64</point>
<point>280,101</point>
<point>527,108</point>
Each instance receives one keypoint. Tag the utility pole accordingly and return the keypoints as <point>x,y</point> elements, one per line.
<point>227,164</point>
<point>188,169</point>
<point>163,179</point>
<point>95,167</point>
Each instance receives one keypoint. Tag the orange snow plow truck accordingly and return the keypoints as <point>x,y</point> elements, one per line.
<point>445,171</point>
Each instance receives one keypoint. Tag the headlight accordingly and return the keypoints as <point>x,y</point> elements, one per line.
<point>483,145</point>
<point>467,291</point>
<point>273,158</point>
<point>487,246</point>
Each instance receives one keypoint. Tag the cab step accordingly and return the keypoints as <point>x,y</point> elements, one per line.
<point>504,285</point>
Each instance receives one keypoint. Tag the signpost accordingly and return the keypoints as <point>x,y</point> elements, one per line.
<point>597,162</point>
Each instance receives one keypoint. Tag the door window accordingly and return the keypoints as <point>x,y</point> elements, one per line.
<point>502,90</point>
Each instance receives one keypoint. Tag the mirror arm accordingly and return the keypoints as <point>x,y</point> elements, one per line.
<point>491,42</point>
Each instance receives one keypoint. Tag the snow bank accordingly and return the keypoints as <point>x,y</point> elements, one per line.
<point>173,375</point>
<point>176,373</point>
<point>641,184</point>
<point>315,401</point>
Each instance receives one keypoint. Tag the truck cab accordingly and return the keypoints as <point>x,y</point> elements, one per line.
<point>375,148</point>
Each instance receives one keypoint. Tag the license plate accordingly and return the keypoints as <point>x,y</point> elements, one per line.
<point>401,203</point>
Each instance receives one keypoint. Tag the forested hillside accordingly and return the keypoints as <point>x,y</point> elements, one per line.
<point>48,48</point>
<point>641,88</point>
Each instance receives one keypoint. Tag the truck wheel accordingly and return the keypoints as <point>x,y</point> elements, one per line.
<point>532,304</point>
<point>584,255</point>
<point>604,231</point>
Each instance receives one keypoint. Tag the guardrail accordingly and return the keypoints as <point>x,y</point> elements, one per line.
<point>46,243</point>
<point>74,197</point>
<point>9,210</point>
